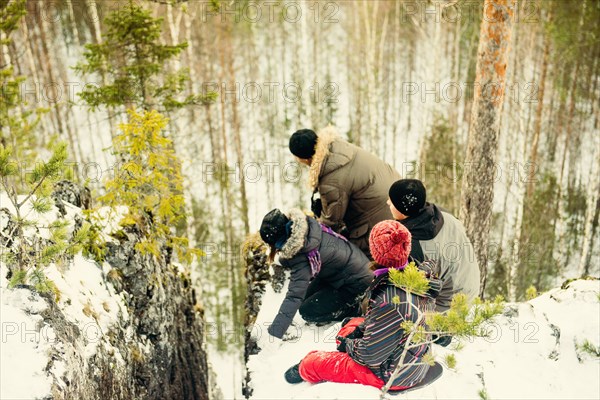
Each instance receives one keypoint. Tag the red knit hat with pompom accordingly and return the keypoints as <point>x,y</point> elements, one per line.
<point>389,243</point>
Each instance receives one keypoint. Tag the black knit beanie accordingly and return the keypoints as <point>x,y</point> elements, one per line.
<point>408,196</point>
<point>273,225</point>
<point>302,143</point>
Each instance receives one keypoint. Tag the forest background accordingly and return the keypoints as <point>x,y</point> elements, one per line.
<point>237,78</point>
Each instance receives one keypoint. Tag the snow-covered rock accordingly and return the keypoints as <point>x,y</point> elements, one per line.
<point>125,329</point>
<point>532,352</point>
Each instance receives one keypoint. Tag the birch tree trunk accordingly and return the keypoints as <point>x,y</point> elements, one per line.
<point>478,183</point>
<point>31,64</point>
<point>74,28</point>
<point>61,106</point>
<point>538,118</point>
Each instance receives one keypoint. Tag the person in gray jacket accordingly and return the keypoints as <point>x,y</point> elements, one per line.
<point>352,183</point>
<point>437,235</point>
<point>329,275</point>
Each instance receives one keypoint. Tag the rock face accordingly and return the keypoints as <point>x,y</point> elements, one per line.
<point>162,307</point>
<point>125,329</point>
<point>257,276</point>
<point>69,192</point>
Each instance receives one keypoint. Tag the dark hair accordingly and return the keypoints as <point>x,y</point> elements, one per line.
<point>373,266</point>
<point>272,252</point>
<point>302,143</point>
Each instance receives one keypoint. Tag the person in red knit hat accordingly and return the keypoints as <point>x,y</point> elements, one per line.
<point>390,244</point>
<point>369,348</point>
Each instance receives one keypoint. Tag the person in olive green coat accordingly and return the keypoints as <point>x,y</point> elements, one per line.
<point>352,183</point>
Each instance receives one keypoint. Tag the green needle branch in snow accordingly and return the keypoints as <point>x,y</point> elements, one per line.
<point>462,320</point>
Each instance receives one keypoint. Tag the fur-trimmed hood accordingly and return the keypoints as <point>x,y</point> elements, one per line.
<point>341,265</point>
<point>325,137</point>
<point>297,238</point>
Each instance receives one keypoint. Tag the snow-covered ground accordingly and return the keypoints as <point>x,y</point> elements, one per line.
<point>25,345</point>
<point>228,371</point>
<point>531,354</point>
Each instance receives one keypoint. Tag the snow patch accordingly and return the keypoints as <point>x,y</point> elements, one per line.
<point>26,344</point>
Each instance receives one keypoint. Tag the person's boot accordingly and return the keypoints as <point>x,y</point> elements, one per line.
<point>292,375</point>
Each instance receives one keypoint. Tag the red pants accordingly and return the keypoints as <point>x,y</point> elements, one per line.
<point>336,366</point>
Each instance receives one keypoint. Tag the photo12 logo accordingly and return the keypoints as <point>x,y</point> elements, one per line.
<point>253,12</point>
<point>468,11</point>
<point>453,92</point>
<point>272,92</point>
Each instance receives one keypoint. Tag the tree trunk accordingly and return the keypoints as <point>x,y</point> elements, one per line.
<point>570,117</point>
<point>478,184</point>
<point>31,64</point>
<point>97,31</point>
<point>62,108</point>
<point>357,89</point>
<point>592,208</point>
<point>538,118</point>
<point>74,28</point>
<point>568,132</point>
<point>237,143</point>
<point>586,270</point>
<point>5,59</point>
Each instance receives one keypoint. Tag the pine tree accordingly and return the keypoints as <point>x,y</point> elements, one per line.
<point>134,63</point>
<point>478,182</point>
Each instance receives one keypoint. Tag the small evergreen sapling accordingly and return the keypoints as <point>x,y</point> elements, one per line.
<point>24,250</point>
<point>589,348</point>
<point>483,394</point>
<point>531,293</point>
<point>150,184</point>
<point>450,361</point>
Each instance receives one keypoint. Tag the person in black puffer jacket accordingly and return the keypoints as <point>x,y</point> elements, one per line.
<point>329,275</point>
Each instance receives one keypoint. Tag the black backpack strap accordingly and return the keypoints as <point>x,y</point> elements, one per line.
<point>416,251</point>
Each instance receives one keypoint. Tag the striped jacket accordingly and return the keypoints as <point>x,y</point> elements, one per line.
<point>383,340</point>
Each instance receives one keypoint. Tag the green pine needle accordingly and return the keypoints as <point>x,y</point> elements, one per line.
<point>450,361</point>
<point>411,279</point>
<point>19,277</point>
